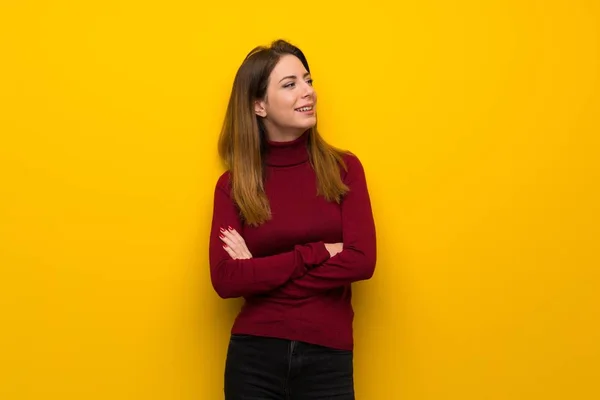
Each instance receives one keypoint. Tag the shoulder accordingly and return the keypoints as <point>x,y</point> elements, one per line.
<point>351,160</point>
<point>354,167</point>
<point>224,182</point>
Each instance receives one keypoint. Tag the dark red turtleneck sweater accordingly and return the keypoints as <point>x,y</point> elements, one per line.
<point>292,288</point>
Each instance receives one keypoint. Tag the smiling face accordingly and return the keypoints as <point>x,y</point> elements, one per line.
<point>288,108</point>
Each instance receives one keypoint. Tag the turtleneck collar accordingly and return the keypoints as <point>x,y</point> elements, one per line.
<point>286,154</point>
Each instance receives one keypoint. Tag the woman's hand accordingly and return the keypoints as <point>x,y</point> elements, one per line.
<point>334,248</point>
<point>234,245</point>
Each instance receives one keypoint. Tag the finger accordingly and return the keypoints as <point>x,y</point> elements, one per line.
<point>229,236</point>
<point>243,248</point>
<point>236,242</point>
<point>235,248</point>
<point>227,240</point>
<point>231,253</point>
<point>236,237</point>
<point>239,243</point>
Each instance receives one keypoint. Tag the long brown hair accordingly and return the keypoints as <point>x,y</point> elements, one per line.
<point>242,142</point>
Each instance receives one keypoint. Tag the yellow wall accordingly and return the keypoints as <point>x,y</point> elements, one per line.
<point>478,127</point>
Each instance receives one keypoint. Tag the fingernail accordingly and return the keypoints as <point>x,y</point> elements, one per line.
<point>222,237</point>
<point>224,246</point>
<point>222,230</point>
<point>230,228</point>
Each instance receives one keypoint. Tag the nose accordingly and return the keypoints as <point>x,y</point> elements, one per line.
<point>309,90</point>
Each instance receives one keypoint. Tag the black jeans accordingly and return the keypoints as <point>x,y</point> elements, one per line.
<point>262,368</point>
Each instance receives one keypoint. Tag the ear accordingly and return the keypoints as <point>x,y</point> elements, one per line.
<point>259,108</point>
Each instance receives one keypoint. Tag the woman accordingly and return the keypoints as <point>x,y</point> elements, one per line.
<point>292,229</point>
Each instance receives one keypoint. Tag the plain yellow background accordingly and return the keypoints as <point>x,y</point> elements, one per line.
<point>477,123</point>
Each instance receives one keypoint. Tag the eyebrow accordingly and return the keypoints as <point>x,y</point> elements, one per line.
<point>294,76</point>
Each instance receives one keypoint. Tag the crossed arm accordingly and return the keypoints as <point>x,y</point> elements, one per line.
<point>307,269</point>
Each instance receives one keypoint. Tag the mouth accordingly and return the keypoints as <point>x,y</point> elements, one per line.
<point>305,109</point>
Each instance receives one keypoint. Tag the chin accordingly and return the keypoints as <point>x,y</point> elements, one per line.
<point>309,123</point>
<point>306,127</point>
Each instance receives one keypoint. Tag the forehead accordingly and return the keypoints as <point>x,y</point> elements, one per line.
<point>288,65</point>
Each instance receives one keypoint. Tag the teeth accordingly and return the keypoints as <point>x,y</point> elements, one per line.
<point>305,108</point>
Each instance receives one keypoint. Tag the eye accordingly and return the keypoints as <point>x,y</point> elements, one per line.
<point>290,84</point>
<point>310,81</point>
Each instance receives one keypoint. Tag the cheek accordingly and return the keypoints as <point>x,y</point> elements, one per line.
<point>288,101</point>
<point>283,105</point>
